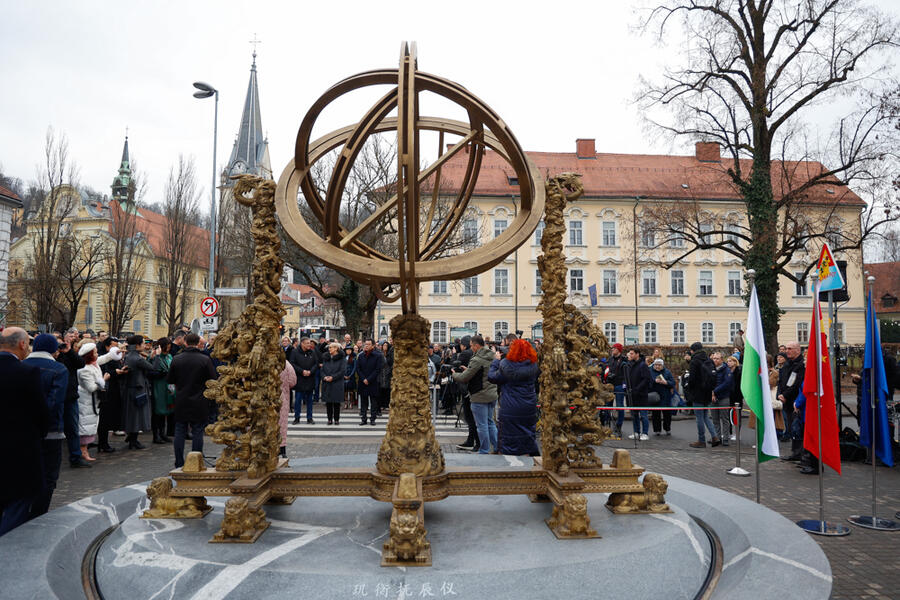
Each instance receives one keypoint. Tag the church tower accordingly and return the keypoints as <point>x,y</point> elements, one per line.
<point>250,153</point>
<point>122,181</point>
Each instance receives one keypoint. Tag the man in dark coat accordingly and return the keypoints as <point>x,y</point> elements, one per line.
<point>68,356</point>
<point>136,392</point>
<point>638,380</point>
<point>616,377</point>
<point>54,385</point>
<point>465,355</point>
<point>177,343</point>
<point>368,369</point>
<point>699,390</point>
<point>26,419</point>
<point>305,360</point>
<point>189,373</point>
<point>790,381</point>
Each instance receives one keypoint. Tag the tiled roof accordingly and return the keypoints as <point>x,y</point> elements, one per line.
<point>153,226</point>
<point>887,282</point>
<point>10,196</point>
<point>644,175</point>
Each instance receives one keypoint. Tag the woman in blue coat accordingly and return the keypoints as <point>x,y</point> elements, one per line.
<point>517,375</point>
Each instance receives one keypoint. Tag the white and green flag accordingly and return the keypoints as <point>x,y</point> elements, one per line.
<point>755,384</point>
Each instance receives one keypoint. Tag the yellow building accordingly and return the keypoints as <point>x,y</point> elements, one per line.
<point>610,249</point>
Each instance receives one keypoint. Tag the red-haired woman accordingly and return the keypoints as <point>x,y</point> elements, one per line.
<point>517,375</point>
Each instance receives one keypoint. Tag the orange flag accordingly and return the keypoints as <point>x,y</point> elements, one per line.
<point>818,368</point>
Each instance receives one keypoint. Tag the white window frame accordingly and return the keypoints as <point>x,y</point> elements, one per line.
<point>731,231</point>
<point>648,237</point>
<point>733,328</point>
<point>676,237</point>
<point>538,282</point>
<point>732,278</point>
<point>501,329</point>
<point>800,289</point>
<point>576,233</point>
<point>539,232</point>
<point>611,331</point>
<point>608,234</point>
<point>839,332</point>
<point>700,285</point>
<point>501,282</point>
<point>576,280</point>
<point>439,287</point>
<point>707,332</point>
<point>651,333</point>
<point>439,332</point>
<point>802,332</point>
<point>500,226</point>
<point>679,332</point>
<point>648,282</point>
<point>470,232</point>
<point>677,290</point>
<point>473,325</point>
<point>705,237</point>
<point>613,288</point>
<point>470,285</point>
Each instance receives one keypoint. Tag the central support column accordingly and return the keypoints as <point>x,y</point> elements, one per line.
<point>410,445</point>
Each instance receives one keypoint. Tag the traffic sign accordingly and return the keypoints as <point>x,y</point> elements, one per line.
<point>209,306</point>
<point>209,324</point>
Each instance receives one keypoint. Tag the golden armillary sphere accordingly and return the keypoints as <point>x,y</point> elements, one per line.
<point>417,256</point>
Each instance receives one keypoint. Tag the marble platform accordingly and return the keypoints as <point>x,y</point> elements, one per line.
<point>482,547</point>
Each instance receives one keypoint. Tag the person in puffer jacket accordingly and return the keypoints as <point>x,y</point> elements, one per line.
<point>516,375</point>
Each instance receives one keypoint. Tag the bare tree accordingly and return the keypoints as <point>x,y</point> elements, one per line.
<point>125,262</point>
<point>54,201</point>
<point>180,242</point>
<point>752,71</point>
<point>81,261</point>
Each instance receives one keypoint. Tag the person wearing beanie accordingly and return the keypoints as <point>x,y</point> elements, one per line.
<point>137,392</point>
<point>54,384</point>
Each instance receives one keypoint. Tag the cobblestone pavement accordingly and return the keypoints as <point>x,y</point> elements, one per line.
<point>866,564</point>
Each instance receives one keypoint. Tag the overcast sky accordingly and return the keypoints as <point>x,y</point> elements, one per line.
<point>554,71</point>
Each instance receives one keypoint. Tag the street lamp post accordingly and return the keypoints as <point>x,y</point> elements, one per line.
<point>204,90</point>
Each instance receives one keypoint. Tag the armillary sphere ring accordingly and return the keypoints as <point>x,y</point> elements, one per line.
<point>343,250</point>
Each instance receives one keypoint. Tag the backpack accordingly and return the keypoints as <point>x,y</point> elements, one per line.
<point>708,376</point>
<point>476,384</point>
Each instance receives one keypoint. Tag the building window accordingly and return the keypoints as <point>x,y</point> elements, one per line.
<point>439,287</point>
<point>803,332</point>
<point>648,237</point>
<point>888,301</point>
<point>539,233</point>
<point>609,233</point>
<point>610,331</point>
<point>733,328</point>
<point>731,231</point>
<point>705,235</point>
<point>576,280</point>
<point>648,277</point>
<point>501,281</point>
<point>707,333</point>
<point>160,310</point>
<point>679,335</point>
<point>538,282</point>
<point>839,332</point>
<point>677,282</point>
<point>470,285</point>
<point>88,315</point>
<point>734,283</point>
<point>501,329</point>
<point>800,288</point>
<point>575,234</point>
<point>439,332</point>
<point>833,237</point>
<point>650,332</point>
<point>137,324</point>
<point>706,283</point>
<point>470,232</point>
<point>609,282</point>
<point>499,227</point>
<point>471,326</point>
<point>676,236</point>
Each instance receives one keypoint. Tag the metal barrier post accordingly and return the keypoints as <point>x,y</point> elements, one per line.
<point>737,470</point>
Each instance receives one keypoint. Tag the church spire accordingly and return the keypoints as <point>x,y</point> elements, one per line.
<point>250,153</point>
<point>123,179</point>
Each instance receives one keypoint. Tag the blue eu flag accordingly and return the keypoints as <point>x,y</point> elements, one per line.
<point>873,376</point>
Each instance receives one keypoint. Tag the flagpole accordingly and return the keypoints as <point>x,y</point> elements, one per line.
<point>873,522</point>
<point>820,527</point>
<point>751,278</point>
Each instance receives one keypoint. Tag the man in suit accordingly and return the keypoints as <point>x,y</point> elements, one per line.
<point>26,419</point>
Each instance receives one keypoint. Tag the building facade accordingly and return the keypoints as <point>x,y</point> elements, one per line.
<point>617,271</point>
<point>9,202</point>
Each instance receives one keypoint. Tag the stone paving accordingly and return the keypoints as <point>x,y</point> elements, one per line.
<point>866,564</point>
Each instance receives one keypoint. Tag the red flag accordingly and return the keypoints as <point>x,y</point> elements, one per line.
<point>818,368</point>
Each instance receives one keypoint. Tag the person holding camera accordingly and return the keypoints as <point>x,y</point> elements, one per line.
<point>482,394</point>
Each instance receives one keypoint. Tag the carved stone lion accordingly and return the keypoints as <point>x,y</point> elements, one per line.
<point>407,541</point>
<point>241,523</point>
<point>571,519</point>
<point>651,500</point>
<point>164,506</point>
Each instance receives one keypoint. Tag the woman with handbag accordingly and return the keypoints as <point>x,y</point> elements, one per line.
<point>137,392</point>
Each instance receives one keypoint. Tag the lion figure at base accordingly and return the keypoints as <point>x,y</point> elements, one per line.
<point>241,522</point>
<point>407,538</point>
<point>164,505</point>
<point>650,500</point>
<point>571,519</point>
